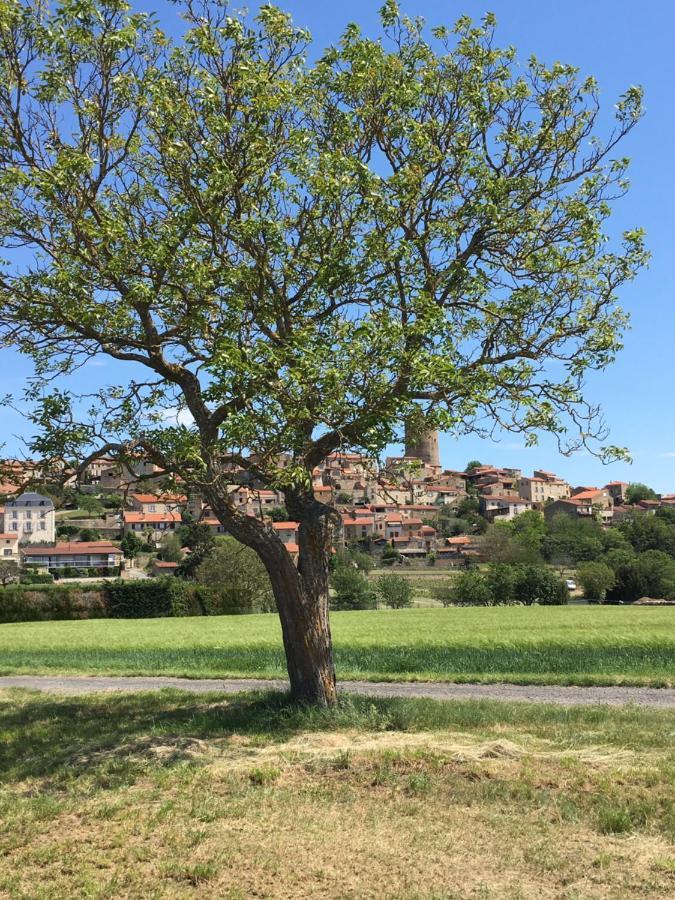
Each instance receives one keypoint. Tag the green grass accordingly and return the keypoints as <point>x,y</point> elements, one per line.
<point>168,795</point>
<point>565,645</point>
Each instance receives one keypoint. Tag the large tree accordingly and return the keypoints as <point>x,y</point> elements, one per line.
<point>300,256</point>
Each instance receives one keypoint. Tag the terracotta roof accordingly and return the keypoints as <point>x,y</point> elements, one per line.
<point>73,548</point>
<point>292,548</point>
<point>460,539</point>
<point>361,521</point>
<point>160,564</point>
<point>151,518</point>
<point>427,529</point>
<point>162,498</point>
<point>8,536</point>
<point>587,495</point>
<point>285,526</point>
<point>502,499</point>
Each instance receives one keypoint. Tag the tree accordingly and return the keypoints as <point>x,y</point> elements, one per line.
<point>278,514</point>
<point>298,257</point>
<point>67,531</point>
<point>529,531</point>
<point>500,545</point>
<point>352,589</point>
<point>131,545</point>
<point>572,538</point>
<point>645,532</point>
<point>394,591</point>
<point>89,534</point>
<point>170,548</point>
<point>201,542</point>
<point>649,574</point>
<point>596,579</point>
<point>469,589</point>
<point>9,570</point>
<point>239,576</point>
<point>636,491</point>
<point>473,464</point>
<point>537,584</point>
<point>89,504</point>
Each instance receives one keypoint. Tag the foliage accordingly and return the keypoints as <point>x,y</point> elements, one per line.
<point>648,574</point>
<point>390,555</point>
<point>471,589</point>
<point>537,584</point>
<point>201,542</point>
<point>636,491</point>
<point>36,578</point>
<point>237,578</point>
<point>473,464</point>
<point>170,548</point>
<point>448,524</point>
<point>500,544</point>
<point>67,531</point>
<point>43,602</point>
<point>131,545</point>
<point>91,505</point>
<point>394,591</point>
<point>278,514</point>
<point>142,599</point>
<point>596,578</point>
<point>646,532</point>
<point>352,589</point>
<point>9,570</point>
<point>90,534</point>
<point>572,538</point>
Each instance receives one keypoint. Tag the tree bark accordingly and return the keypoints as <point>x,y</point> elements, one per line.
<point>300,592</point>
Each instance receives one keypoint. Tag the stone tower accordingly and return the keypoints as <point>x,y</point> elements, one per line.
<point>425,448</point>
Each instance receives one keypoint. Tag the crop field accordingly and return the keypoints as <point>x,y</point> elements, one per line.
<point>166,795</point>
<point>563,645</point>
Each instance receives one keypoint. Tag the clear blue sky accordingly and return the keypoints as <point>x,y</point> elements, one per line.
<point>621,43</point>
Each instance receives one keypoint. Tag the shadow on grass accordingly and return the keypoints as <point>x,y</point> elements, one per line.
<point>113,738</point>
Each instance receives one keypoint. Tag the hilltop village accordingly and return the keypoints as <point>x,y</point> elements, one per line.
<point>402,506</point>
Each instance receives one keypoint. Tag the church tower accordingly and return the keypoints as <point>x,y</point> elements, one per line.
<point>424,448</point>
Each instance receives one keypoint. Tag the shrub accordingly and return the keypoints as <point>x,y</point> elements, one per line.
<point>50,602</point>
<point>37,578</point>
<point>649,574</point>
<point>596,578</point>
<point>537,584</point>
<point>471,589</point>
<point>352,589</point>
<point>145,599</point>
<point>394,591</point>
<point>390,556</point>
<point>238,580</point>
<point>89,534</point>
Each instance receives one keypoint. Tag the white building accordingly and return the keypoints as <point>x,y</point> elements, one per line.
<point>32,517</point>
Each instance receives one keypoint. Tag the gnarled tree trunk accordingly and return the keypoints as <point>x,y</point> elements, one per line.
<point>300,592</point>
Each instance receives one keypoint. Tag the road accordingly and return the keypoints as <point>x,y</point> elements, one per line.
<point>663,698</point>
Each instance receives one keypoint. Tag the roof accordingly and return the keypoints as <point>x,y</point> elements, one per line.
<point>502,499</point>
<point>8,536</point>
<point>33,498</point>
<point>162,498</point>
<point>360,521</point>
<point>72,548</point>
<point>285,526</point>
<point>590,494</point>
<point>427,529</point>
<point>460,539</point>
<point>160,564</point>
<point>151,518</point>
<point>292,548</point>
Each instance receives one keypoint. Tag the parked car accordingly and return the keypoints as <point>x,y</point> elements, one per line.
<point>571,584</point>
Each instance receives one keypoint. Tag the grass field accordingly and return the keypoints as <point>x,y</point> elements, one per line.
<point>172,796</point>
<point>566,645</point>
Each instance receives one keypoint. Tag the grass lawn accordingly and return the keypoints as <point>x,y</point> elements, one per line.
<point>566,645</point>
<point>167,795</point>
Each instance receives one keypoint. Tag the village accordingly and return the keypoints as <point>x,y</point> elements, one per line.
<point>396,509</point>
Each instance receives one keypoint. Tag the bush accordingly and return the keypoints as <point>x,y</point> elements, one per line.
<point>67,530</point>
<point>237,579</point>
<point>537,584</point>
<point>37,578</point>
<point>394,591</point>
<point>470,589</point>
<point>89,534</point>
<point>352,589</point>
<point>50,602</point>
<point>596,578</point>
<point>649,574</point>
<point>149,599</point>
<point>390,556</point>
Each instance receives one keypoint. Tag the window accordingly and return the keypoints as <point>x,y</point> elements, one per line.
<point>151,508</point>
<point>7,552</point>
<point>15,514</point>
<point>27,527</point>
<point>29,514</point>
<point>43,526</point>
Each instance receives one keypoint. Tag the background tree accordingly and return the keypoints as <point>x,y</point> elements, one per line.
<point>90,505</point>
<point>237,574</point>
<point>9,571</point>
<point>473,464</point>
<point>352,588</point>
<point>596,579</point>
<point>302,257</point>
<point>170,549</point>
<point>131,545</point>
<point>201,542</point>
<point>636,491</point>
<point>394,591</point>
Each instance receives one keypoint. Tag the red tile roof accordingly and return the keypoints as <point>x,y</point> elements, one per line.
<point>8,536</point>
<point>72,548</point>
<point>151,518</point>
<point>285,526</point>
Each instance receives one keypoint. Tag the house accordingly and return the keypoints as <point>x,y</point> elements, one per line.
<point>156,524</point>
<point>617,491</point>
<point>591,503</point>
<point>503,507</point>
<point>160,567</point>
<point>157,503</point>
<point>32,517</point>
<point>9,546</point>
<point>543,487</point>
<point>358,528</point>
<point>288,533</point>
<point>75,555</point>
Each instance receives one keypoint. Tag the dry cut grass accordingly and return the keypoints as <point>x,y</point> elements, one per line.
<point>172,796</point>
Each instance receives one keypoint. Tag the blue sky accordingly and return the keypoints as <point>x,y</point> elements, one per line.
<point>621,43</point>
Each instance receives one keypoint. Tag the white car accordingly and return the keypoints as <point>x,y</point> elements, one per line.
<point>571,584</point>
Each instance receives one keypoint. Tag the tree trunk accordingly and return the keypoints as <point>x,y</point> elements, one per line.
<point>300,592</point>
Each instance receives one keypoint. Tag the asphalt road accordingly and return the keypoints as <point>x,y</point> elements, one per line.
<point>663,698</point>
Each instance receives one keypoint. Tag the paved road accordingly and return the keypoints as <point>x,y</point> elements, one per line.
<point>663,698</point>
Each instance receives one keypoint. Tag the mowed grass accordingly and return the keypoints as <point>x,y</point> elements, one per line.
<point>565,645</point>
<point>167,795</point>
